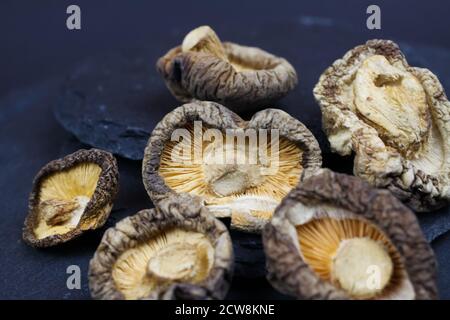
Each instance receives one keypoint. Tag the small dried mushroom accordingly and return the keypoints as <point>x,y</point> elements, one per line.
<point>177,251</point>
<point>395,117</point>
<point>204,68</point>
<point>69,196</point>
<point>233,176</point>
<point>335,237</point>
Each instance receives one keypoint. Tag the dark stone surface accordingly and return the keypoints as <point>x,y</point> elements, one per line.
<point>310,35</point>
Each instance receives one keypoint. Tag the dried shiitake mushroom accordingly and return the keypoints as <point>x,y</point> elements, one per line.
<point>336,237</point>
<point>204,149</point>
<point>177,251</point>
<point>69,196</point>
<point>395,117</point>
<point>204,68</point>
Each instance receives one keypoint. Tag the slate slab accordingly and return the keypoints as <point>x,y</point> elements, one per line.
<point>112,102</point>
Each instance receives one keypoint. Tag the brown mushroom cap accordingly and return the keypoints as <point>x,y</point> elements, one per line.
<point>246,77</point>
<point>69,196</point>
<point>331,217</point>
<point>177,251</point>
<point>250,204</point>
<point>396,118</point>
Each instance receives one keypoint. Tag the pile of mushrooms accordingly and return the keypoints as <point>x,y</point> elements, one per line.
<point>325,235</point>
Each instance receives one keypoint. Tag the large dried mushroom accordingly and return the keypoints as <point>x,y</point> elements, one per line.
<point>233,176</point>
<point>335,237</point>
<point>177,251</point>
<point>204,68</point>
<point>395,117</point>
<point>69,196</point>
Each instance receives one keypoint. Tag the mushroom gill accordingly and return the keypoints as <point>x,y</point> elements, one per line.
<point>236,184</point>
<point>173,255</point>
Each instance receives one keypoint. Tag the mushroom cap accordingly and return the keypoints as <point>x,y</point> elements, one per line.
<point>181,212</point>
<point>214,115</point>
<point>400,138</point>
<point>347,197</point>
<point>96,207</point>
<point>204,76</point>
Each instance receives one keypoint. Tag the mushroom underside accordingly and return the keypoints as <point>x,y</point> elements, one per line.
<point>172,255</point>
<point>352,254</point>
<point>63,198</point>
<point>234,179</point>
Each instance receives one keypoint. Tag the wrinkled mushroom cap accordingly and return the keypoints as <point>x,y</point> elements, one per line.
<point>237,76</point>
<point>334,233</point>
<point>394,117</point>
<point>246,193</point>
<point>69,196</point>
<point>177,251</point>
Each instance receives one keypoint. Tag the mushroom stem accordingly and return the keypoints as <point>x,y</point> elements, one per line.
<point>233,179</point>
<point>230,170</point>
<point>179,261</point>
<point>362,267</point>
<point>55,211</point>
<point>204,39</point>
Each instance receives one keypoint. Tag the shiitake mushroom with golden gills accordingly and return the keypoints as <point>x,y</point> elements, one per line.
<point>69,196</point>
<point>176,251</point>
<point>336,237</point>
<point>232,179</point>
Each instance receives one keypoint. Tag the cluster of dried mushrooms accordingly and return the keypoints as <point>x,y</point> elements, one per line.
<point>325,235</point>
<point>175,251</point>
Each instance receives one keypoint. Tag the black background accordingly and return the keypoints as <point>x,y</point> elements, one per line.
<point>37,50</point>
